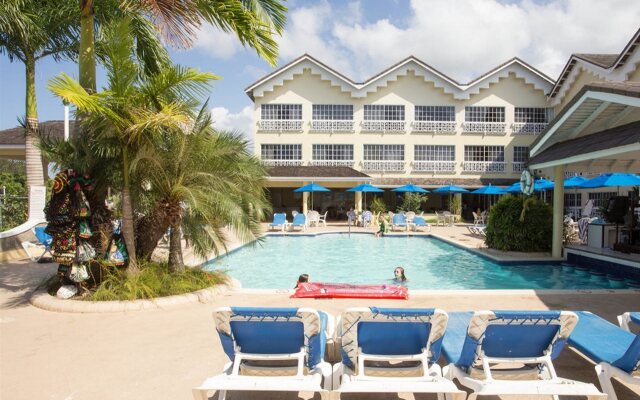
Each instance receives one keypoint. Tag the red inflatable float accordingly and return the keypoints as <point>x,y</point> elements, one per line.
<point>319,290</point>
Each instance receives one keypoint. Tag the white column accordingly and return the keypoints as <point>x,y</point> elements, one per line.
<point>66,122</point>
<point>558,211</point>
<point>358,201</point>
<point>305,202</point>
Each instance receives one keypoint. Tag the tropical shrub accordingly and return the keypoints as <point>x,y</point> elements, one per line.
<point>378,206</point>
<point>413,201</point>
<point>520,224</point>
<point>13,205</point>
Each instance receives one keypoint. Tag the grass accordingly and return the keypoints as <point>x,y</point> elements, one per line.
<point>154,280</point>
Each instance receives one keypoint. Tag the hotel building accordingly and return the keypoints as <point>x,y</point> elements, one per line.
<point>410,124</point>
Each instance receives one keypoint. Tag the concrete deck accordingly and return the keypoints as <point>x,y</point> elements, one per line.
<point>162,353</point>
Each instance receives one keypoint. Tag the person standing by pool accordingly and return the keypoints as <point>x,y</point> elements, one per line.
<point>382,228</point>
<point>301,279</point>
<point>399,275</point>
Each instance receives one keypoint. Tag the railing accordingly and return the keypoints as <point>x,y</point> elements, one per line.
<point>517,167</point>
<point>383,165</point>
<point>282,163</point>
<point>437,127</point>
<point>487,128</point>
<point>491,167</point>
<point>332,126</point>
<point>331,163</point>
<point>434,166</point>
<point>384,126</point>
<point>527,128</point>
<point>280,125</point>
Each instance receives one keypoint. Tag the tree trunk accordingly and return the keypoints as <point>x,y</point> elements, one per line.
<point>176,264</point>
<point>34,165</point>
<point>128,231</point>
<point>149,229</point>
<point>87,61</point>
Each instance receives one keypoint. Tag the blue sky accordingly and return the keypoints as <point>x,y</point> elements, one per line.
<point>461,38</point>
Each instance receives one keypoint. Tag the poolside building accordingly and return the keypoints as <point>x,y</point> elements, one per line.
<point>414,124</point>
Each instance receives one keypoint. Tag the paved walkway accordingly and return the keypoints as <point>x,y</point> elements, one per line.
<point>162,353</point>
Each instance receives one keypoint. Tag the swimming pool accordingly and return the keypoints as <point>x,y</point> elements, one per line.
<point>429,263</point>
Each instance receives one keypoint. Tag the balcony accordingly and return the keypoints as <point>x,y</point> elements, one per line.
<point>489,167</point>
<point>485,128</point>
<point>332,126</point>
<point>384,126</point>
<point>434,166</point>
<point>280,125</point>
<point>517,167</point>
<point>435,127</point>
<point>331,163</point>
<point>384,166</point>
<point>527,128</point>
<point>282,163</point>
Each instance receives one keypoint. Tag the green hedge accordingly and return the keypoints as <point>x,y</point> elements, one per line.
<point>506,232</point>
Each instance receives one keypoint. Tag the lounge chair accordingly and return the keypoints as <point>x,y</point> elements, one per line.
<point>479,230</point>
<point>528,341</point>
<point>419,222</point>
<point>399,220</point>
<point>299,221</point>
<point>279,220</point>
<point>43,238</point>
<point>615,351</point>
<point>271,349</point>
<point>440,217</point>
<point>477,219</point>
<point>410,215</point>
<point>628,319</point>
<point>392,350</point>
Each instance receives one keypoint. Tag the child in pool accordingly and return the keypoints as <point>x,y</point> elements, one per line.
<point>381,229</point>
<point>399,275</point>
<point>302,278</point>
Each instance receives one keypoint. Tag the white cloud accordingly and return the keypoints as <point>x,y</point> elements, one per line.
<point>461,38</point>
<point>216,43</point>
<point>241,121</point>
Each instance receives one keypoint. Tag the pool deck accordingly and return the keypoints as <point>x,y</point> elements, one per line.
<point>162,353</point>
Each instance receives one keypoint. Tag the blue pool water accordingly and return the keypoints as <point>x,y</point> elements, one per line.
<point>429,263</point>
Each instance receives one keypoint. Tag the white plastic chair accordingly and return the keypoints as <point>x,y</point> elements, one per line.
<point>322,219</point>
<point>313,218</point>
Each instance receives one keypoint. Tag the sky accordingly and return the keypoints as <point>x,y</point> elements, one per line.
<point>359,38</point>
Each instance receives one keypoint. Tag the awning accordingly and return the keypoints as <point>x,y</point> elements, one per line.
<point>316,174</point>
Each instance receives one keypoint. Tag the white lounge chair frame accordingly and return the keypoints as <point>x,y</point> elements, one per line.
<point>317,379</point>
<point>27,245</point>
<point>625,322</point>
<point>345,380</point>
<point>606,372</point>
<point>545,382</point>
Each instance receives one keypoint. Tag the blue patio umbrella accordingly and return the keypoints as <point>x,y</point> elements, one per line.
<point>311,187</point>
<point>409,188</point>
<point>365,188</point>
<point>539,185</point>
<point>613,179</point>
<point>490,189</point>
<point>450,189</point>
<point>574,182</point>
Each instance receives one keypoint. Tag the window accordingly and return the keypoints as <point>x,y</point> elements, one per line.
<point>384,152</point>
<point>383,113</point>
<point>600,198</point>
<point>434,153</point>
<point>435,113</point>
<point>535,115</point>
<point>332,112</point>
<point>520,154</point>
<point>573,200</point>
<point>484,114</point>
<point>332,152</point>
<point>281,111</point>
<point>484,153</point>
<point>281,152</point>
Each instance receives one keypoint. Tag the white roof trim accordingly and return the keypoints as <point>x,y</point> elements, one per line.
<point>12,146</point>
<point>361,90</point>
<point>614,151</point>
<point>317,179</point>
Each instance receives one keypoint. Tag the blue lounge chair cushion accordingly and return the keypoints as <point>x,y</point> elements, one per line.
<point>635,317</point>
<point>419,221</point>
<point>43,237</point>
<point>399,219</point>
<point>258,335</point>
<point>603,341</point>
<point>505,339</point>
<point>299,220</point>
<point>279,219</point>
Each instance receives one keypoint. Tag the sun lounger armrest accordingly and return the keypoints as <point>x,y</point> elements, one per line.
<point>454,339</point>
<point>318,342</point>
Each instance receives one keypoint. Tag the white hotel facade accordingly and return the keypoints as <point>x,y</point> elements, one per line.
<point>407,124</point>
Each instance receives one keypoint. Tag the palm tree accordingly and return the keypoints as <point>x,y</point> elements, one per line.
<point>255,22</point>
<point>205,182</point>
<point>133,111</point>
<point>29,31</point>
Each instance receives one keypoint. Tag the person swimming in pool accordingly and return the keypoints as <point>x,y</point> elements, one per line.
<point>399,275</point>
<point>301,279</point>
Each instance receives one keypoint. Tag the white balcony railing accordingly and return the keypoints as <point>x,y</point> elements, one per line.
<point>437,127</point>
<point>517,167</point>
<point>486,128</point>
<point>434,166</point>
<point>383,165</point>
<point>331,163</point>
<point>280,125</point>
<point>343,126</point>
<point>384,126</point>
<point>526,128</point>
<point>282,163</point>
<point>490,167</point>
